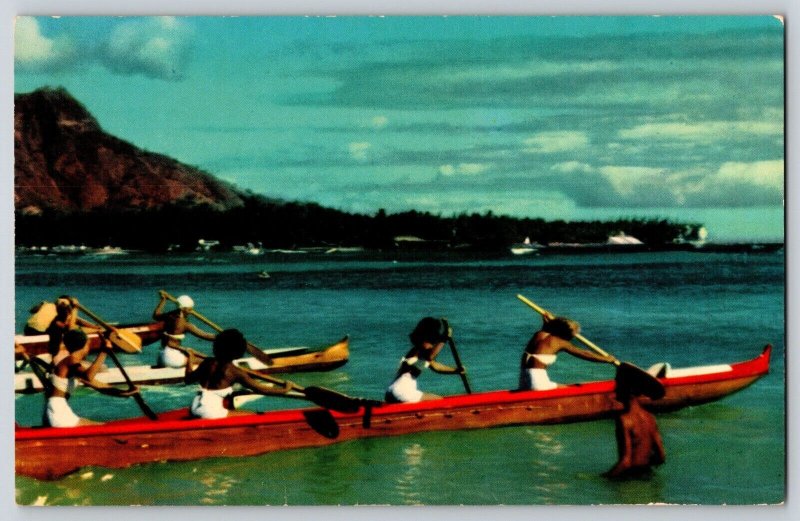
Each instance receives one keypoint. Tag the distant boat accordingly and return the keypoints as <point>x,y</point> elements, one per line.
<point>109,250</point>
<point>249,249</point>
<point>622,239</point>
<point>525,247</point>
<point>206,245</point>
<point>263,275</point>
<point>345,249</point>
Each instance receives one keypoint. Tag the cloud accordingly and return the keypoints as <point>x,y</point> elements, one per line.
<point>556,141</point>
<point>358,150</point>
<point>626,180</point>
<point>34,51</point>
<point>379,121</point>
<point>736,184</point>
<point>157,47</point>
<point>463,169</point>
<point>570,167</point>
<point>761,173</point>
<point>706,131</point>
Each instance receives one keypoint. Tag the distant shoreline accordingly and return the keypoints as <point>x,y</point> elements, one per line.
<point>416,249</point>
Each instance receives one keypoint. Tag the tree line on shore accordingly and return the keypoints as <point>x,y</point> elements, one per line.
<point>292,225</point>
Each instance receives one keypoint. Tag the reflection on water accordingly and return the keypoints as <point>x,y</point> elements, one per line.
<point>216,487</point>
<point>407,484</point>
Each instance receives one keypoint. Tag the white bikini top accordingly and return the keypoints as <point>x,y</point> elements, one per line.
<point>544,358</point>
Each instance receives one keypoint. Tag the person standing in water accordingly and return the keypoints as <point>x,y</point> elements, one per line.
<point>639,443</point>
<point>176,325</point>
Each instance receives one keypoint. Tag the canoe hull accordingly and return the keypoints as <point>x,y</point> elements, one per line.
<point>289,360</point>
<point>176,437</point>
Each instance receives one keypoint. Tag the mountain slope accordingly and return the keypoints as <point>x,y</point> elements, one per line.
<point>65,162</point>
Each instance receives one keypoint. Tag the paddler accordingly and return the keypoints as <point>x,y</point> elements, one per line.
<point>427,340</point>
<point>555,336</point>
<point>639,443</point>
<point>66,319</point>
<point>176,324</point>
<point>218,374</point>
<point>67,365</point>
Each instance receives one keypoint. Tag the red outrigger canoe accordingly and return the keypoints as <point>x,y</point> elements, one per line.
<point>49,453</point>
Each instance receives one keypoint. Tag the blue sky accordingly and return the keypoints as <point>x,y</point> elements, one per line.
<point>553,117</point>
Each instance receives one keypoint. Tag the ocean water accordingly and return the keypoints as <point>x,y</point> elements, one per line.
<point>684,308</point>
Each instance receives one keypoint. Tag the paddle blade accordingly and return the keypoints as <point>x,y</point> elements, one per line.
<point>639,382</point>
<point>331,399</point>
<point>126,341</point>
<point>323,423</point>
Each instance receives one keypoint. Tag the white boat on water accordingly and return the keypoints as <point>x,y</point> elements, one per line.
<point>525,247</point>
<point>622,239</point>
<point>109,250</point>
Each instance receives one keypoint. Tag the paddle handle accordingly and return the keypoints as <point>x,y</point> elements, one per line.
<point>47,384</point>
<point>102,323</point>
<point>254,374</point>
<point>460,366</point>
<point>457,358</point>
<point>256,351</point>
<point>588,343</point>
<point>137,395</point>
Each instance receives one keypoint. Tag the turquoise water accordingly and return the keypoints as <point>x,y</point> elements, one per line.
<point>684,308</point>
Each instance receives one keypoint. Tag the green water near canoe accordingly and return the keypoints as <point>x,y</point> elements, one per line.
<point>683,308</point>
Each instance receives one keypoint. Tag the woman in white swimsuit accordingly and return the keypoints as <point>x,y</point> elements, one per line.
<point>67,365</point>
<point>540,353</point>
<point>176,324</point>
<point>218,374</point>
<point>427,340</point>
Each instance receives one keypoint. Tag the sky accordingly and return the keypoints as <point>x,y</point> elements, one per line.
<point>574,118</point>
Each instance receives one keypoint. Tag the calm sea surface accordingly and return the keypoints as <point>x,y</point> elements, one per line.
<point>683,308</point>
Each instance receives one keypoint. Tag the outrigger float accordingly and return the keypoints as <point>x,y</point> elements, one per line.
<point>284,360</point>
<point>51,453</point>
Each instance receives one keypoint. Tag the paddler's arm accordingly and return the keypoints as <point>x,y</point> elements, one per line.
<point>160,306</point>
<point>584,354</point>
<point>261,387</point>
<point>93,369</point>
<point>435,366</point>
<point>196,331</point>
<point>443,369</point>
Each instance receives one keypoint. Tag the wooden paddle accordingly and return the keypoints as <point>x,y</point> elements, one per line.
<point>257,352</point>
<point>134,390</point>
<point>644,381</point>
<point>38,369</point>
<point>130,343</point>
<point>125,340</point>
<point>459,365</point>
<point>322,396</point>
